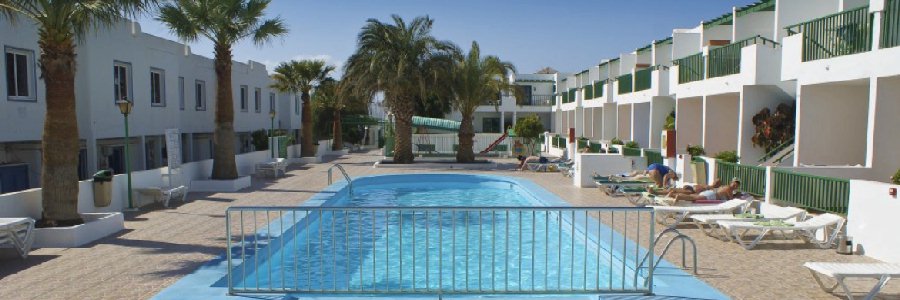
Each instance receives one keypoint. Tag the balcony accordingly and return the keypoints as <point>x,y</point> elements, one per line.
<point>719,62</point>
<point>845,33</point>
<point>537,100</point>
<point>643,79</point>
<point>598,88</point>
<point>691,68</point>
<point>626,84</point>
<point>890,24</point>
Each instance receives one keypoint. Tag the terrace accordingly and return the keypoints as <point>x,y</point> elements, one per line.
<point>161,246</point>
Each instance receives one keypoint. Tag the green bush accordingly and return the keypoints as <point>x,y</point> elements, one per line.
<point>695,150</point>
<point>530,128</point>
<point>632,144</point>
<point>896,177</point>
<point>728,156</point>
<point>260,139</point>
<point>616,141</point>
<point>670,121</point>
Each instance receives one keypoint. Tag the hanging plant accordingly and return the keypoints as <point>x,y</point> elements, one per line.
<point>774,129</point>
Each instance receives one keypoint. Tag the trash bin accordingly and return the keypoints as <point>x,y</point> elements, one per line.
<point>103,188</point>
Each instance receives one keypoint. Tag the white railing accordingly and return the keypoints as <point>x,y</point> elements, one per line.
<point>439,250</point>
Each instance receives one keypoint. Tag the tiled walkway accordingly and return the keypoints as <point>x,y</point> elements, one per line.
<point>160,246</point>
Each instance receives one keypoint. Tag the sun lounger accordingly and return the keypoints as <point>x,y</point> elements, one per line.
<point>674,215</point>
<point>840,271</point>
<point>17,233</point>
<point>805,229</point>
<point>273,166</point>
<point>708,223</point>
<point>164,194</point>
<point>617,185</point>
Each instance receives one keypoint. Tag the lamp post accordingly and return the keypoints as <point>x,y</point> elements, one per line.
<point>272,133</point>
<point>125,107</point>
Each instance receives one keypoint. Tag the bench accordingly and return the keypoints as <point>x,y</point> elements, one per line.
<point>164,194</point>
<point>273,167</point>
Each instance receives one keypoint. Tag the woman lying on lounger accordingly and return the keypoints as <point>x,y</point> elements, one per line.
<point>722,193</point>
<point>524,161</point>
<point>686,190</point>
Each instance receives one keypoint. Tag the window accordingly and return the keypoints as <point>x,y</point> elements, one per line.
<point>157,87</point>
<point>243,98</point>
<point>296,105</point>
<point>200,94</point>
<point>181,93</point>
<point>271,101</point>
<point>121,81</point>
<point>20,75</point>
<point>257,99</point>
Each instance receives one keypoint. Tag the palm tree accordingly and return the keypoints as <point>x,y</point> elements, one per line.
<point>474,79</point>
<point>224,22</point>
<point>338,96</point>
<point>399,60</point>
<point>61,24</point>
<point>301,77</point>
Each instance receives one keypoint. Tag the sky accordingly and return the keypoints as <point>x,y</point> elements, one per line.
<point>568,36</point>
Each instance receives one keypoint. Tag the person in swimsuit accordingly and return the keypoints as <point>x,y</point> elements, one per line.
<point>721,193</point>
<point>686,190</point>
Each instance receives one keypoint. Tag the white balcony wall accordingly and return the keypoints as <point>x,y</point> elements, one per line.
<point>662,54</point>
<point>790,12</point>
<point>685,43</point>
<point>609,121</point>
<point>720,123</point>
<point>718,32</point>
<point>644,57</point>
<point>832,121</point>
<point>627,62</point>
<point>640,123</point>
<point>753,24</point>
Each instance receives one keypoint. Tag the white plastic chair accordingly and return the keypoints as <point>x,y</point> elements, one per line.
<point>806,229</point>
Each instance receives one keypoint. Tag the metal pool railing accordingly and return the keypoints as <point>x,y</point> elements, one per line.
<point>440,250</point>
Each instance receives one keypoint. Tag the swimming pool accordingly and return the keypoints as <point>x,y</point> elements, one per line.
<point>440,233</point>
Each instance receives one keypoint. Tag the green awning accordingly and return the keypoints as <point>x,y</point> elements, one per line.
<point>434,123</point>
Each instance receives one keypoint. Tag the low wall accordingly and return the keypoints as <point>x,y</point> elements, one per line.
<point>603,164</point>
<point>872,216</point>
<point>27,203</point>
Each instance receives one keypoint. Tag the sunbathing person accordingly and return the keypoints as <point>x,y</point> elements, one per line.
<point>686,190</point>
<point>659,173</point>
<point>524,161</point>
<point>722,193</point>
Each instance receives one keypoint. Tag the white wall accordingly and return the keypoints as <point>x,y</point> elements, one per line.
<point>623,122</point>
<point>871,215</point>
<point>685,43</point>
<point>640,124</point>
<point>884,157</point>
<point>610,124</point>
<point>832,124</point>
<point>720,32</point>
<point>790,12</point>
<point>688,123</point>
<point>660,107</point>
<point>601,163</point>
<point>720,132</point>
<point>758,23</point>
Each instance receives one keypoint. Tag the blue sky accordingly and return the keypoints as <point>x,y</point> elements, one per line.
<point>567,35</point>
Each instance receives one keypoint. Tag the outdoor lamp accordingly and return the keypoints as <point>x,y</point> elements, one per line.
<point>272,133</point>
<point>125,107</point>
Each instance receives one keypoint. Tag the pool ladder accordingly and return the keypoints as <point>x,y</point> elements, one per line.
<point>347,177</point>
<point>678,236</point>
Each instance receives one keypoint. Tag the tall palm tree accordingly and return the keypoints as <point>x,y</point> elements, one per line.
<point>397,60</point>
<point>339,96</point>
<point>301,77</point>
<point>224,22</point>
<point>61,24</point>
<point>475,78</point>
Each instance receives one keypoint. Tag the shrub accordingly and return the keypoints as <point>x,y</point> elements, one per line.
<point>632,144</point>
<point>695,150</point>
<point>616,141</point>
<point>774,129</point>
<point>260,139</point>
<point>529,128</point>
<point>728,156</point>
<point>896,178</point>
<point>670,121</point>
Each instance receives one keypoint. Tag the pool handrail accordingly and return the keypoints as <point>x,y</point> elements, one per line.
<point>347,177</point>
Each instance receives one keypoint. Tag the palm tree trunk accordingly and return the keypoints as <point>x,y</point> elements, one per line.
<point>466,133</point>
<point>224,166</point>
<point>60,144</point>
<point>338,132</point>
<point>403,113</point>
<point>307,149</point>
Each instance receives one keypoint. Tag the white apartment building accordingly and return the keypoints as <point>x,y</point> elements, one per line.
<point>537,99</point>
<point>170,87</point>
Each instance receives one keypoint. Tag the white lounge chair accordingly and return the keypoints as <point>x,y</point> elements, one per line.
<point>679,213</point>
<point>708,223</point>
<point>164,194</point>
<point>840,271</point>
<point>17,233</point>
<point>806,229</point>
<point>273,166</point>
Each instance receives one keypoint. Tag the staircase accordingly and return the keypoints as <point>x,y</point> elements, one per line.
<point>777,156</point>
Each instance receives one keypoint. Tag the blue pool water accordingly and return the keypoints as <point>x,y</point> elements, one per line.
<point>451,250</point>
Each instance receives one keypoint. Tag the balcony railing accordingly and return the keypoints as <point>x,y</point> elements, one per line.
<point>753,178</point>
<point>626,84</point>
<point>598,88</point>
<point>811,191</point>
<point>642,79</point>
<point>588,92</point>
<point>890,24</point>
<point>845,33</point>
<point>538,100</point>
<point>571,95</point>
<point>726,60</point>
<point>691,68</point>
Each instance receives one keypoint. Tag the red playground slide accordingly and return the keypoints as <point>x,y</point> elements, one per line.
<point>495,143</point>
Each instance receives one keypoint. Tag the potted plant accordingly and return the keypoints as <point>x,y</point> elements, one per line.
<point>896,178</point>
<point>632,144</point>
<point>728,156</point>
<point>695,150</point>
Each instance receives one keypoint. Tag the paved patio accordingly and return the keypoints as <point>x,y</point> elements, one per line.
<point>160,246</point>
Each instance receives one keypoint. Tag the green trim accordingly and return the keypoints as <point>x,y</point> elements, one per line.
<point>764,5</point>
<point>644,48</point>
<point>434,123</point>
<point>668,40</point>
<point>726,19</point>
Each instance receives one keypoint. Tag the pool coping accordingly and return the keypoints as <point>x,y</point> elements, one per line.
<point>210,280</point>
